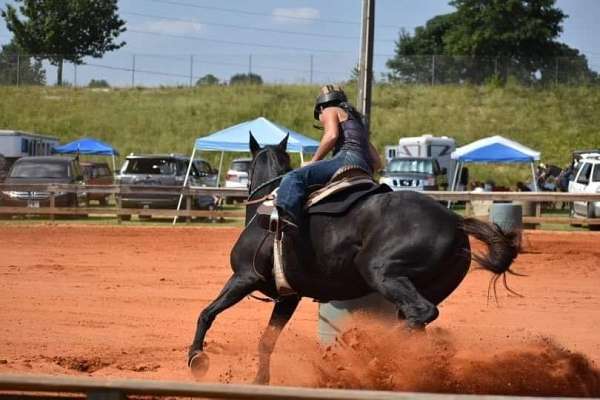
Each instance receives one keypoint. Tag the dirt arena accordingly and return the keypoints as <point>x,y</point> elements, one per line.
<point>122,302</point>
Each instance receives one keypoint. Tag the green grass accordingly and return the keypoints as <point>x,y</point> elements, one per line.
<point>554,121</point>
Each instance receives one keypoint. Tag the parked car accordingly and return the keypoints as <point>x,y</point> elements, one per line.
<point>237,176</point>
<point>207,175</point>
<point>97,174</point>
<point>43,170</point>
<point>155,171</point>
<point>587,180</point>
<point>414,173</point>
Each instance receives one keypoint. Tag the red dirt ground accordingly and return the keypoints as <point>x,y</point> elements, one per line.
<point>123,301</point>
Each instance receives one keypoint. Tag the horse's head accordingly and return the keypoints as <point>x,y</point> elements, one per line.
<point>269,163</point>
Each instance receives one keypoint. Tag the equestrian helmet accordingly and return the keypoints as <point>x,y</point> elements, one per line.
<point>331,95</point>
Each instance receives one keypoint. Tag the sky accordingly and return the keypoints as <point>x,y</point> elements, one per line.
<point>175,42</point>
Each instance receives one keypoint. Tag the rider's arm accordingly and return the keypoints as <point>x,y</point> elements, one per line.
<point>376,164</point>
<point>330,119</point>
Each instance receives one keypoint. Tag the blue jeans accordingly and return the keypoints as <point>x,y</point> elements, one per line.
<point>292,191</point>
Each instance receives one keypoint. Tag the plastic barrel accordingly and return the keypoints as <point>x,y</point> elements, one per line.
<point>333,315</point>
<point>508,216</point>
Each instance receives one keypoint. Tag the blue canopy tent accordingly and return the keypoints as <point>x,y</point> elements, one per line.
<point>237,138</point>
<point>493,150</point>
<point>88,146</point>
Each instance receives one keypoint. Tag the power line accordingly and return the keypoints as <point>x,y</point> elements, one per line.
<point>319,35</point>
<point>246,12</point>
<point>238,43</point>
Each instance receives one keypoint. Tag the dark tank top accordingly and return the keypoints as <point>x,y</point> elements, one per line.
<point>353,137</point>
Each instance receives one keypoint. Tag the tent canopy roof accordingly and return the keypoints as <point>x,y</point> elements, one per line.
<point>237,137</point>
<point>495,149</point>
<point>86,146</point>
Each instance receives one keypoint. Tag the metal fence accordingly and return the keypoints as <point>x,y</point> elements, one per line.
<point>123,69</point>
<point>52,387</point>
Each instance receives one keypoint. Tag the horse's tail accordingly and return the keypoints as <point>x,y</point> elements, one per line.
<point>503,247</point>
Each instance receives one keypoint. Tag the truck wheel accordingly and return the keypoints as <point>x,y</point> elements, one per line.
<point>572,214</point>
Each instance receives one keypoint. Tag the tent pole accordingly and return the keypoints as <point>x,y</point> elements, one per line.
<point>187,174</point>
<point>220,168</point>
<point>301,157</point>
<point>535,187</point>
<point>114,167</point>
<point>457,167</point>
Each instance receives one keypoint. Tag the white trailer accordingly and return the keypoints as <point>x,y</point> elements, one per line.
<point>17,144</point>
<point>438,147</point>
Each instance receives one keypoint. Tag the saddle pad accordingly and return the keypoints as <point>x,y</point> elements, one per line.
<point>337,186</point>
<point>340,202</point>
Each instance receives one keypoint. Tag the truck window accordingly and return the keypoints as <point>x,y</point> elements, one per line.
<point>584,174</point>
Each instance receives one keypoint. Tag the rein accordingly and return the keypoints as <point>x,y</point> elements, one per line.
<point>259,187</point>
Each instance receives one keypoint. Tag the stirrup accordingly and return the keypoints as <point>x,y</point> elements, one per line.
<point>281,283</point>
<point>277,225</point>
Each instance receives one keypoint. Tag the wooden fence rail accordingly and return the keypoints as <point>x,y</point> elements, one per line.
<point>41,385</point>
<point>118,191</point>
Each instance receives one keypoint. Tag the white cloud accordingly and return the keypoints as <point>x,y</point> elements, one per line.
<point>173,27</point>
<point>295,15</point>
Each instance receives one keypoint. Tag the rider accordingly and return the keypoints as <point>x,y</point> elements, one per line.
<point>345,134</point>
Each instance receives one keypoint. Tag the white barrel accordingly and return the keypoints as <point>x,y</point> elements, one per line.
<point>333,315</point>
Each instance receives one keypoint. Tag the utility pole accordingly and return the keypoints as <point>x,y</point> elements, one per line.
<point>250,64</point>
<point>133,72</point>
<point>365,80</point>
<point>311,69</point>
<point>191,70</point>
<point>18,69</point>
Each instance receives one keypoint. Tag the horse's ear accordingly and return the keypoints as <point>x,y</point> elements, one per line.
<point>254,146</point>
<point>283,144</point>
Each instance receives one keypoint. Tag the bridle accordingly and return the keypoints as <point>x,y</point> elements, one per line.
<point>251,201</point>
<point>253,192</point>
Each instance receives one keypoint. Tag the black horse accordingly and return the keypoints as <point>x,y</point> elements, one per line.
<point>403,245</point>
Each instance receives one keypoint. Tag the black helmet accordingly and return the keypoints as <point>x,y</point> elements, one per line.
<point>330,95</point>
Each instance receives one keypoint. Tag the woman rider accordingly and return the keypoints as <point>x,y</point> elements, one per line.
<point>346,135</point>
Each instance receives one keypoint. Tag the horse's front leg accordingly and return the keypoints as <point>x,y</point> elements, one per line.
<point>236,288</point>
<point>282,312</point>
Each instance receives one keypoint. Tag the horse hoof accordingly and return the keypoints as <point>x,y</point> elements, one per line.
<point>199,364</point>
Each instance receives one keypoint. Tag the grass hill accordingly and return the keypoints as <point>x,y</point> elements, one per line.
<point>554,121</point>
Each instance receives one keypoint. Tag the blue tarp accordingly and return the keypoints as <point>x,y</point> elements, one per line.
<point>236,138</point>
<point>86,146</point>
<point>495,149</point>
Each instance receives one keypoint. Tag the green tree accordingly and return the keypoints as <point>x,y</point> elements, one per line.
<point>17,68</point>
<point>487,38</point>
<point>207,80</point>
<point>246,79</point>
<point>98,83</point>
<point>60,30</point>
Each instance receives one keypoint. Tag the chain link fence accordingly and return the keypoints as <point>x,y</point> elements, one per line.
<point>130,70</point>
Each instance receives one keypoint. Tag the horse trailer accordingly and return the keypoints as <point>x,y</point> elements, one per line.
<point>438,147</point>
<point>17,144</point>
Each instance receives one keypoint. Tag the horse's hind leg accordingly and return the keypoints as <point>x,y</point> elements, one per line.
<point>399,290</point>
<point>281,315</point>
<point>236,288</point>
